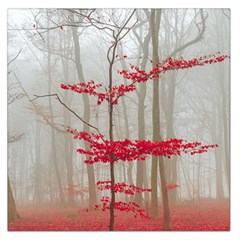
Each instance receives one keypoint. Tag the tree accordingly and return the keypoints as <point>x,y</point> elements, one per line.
<point>155,25</point>
<point>174,45</point>
<point>13,96</point>
<point>90,170</point>
<point>110,151</point>
<point>141,176</point>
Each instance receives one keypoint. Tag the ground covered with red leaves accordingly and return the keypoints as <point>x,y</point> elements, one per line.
<point>186,217</point>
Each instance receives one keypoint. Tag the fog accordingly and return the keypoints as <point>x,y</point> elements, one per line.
<point>50,47</point>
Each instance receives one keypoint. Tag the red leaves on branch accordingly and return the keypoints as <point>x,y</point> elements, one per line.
<point>122,206</point>
<point>121,187</point>
<point>131,150</point>
<point>203,149</point>
<point>90,88</point>
<point>137,75</point>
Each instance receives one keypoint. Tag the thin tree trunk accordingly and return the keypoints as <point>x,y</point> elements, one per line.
<point>130,163</point>
<point>171,163</point>
<point>86,116</point>
<point>68,148</point>
<point>112,175</point>
<point>217,137</point>
<point>141,165</point>
<point>37,168</point>
<point>155,25</point>
<point>225,113</point>
<point>53,133</point>
<point>155,118</point>
<point>68,145</point>
<point>224,100</point>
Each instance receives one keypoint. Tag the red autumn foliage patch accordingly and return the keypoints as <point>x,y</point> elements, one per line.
<point>136,75</point>
<point>130,150</point>
<point>132,207</point>
<point>121,187</point>
<point>205,216</point>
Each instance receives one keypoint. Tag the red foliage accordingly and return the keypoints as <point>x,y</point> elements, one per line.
<point>121,187</point>
<point>122,206</point>
<point>208,216</point>
<point>169,64</point>
<point>130,150</point>
<point>103,150</point>
<point>138,75</point>
<point>89,88</point>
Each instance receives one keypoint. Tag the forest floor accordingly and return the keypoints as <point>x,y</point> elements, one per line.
<point>206,216</point>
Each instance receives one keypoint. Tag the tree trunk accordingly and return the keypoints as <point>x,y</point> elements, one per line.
<point>130,163</point>
<point>225,113</point>
<point>171,163</point>
<point>223,43</point>
<point>53,132</point>
<point>68,148</point>
<point>141,165</point>
<point>86,116</point>
<point>112,174</point>
<point>37,195</point>
<point>155,117</point>
<point>217,137</point>
<point>155,25</point>
<point>12,210</point>
<point>68,143</point>
<point>126,124</point>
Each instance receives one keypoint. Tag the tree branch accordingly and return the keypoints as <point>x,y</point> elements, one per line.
<point>14,57</point>
<point>35,107</point>
<point>68,108</point>
<point>198,37</point>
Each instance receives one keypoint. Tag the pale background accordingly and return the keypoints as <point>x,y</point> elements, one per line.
<point>235,120</point>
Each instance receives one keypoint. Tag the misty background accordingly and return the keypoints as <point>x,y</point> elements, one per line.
<point>194,103</point>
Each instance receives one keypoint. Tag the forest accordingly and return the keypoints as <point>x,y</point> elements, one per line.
<point>118,119</point>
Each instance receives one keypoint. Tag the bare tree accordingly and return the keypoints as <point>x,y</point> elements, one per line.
<point>155,26</point>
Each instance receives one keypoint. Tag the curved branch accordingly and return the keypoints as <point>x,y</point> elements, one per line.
<point>35,107</point>
<point>198,38</point>
<point>68,108</point>
<point>14,57</point>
